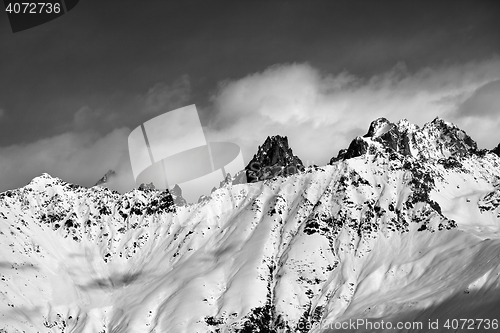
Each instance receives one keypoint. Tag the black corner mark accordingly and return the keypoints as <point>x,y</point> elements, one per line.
<point>70,4</point>
<point>25,14</point>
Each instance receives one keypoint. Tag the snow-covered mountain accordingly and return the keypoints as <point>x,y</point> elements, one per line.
<point>402,227</point>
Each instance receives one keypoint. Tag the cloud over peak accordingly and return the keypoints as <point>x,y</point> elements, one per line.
<point>320,112</point>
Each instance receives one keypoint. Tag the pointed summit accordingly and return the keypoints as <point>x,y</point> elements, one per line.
<point>176,193</point>
<point>273,158</point>
<point>106,177</point>
<point>378,127</point>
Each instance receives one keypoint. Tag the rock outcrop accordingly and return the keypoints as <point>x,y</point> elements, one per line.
<point>436,140</point>
<point>274,158</point>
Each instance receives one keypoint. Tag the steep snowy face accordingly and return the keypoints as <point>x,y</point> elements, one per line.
<point>274,158</point>
<point>383,236</point>
<point>435,140</point>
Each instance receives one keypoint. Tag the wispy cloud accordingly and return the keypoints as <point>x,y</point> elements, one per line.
<point>93,143</point>
<point>163,97</point>
<point>484,102</point>
<point>81,158</point>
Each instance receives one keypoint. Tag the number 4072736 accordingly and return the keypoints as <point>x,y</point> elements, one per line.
<point>33,8</point>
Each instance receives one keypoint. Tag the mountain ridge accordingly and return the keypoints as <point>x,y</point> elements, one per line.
<point>285,254</point>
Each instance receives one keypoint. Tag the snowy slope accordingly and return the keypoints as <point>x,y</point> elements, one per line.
<point>405,227</point>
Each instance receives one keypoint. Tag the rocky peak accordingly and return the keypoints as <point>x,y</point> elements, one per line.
<point>447,139</point>
<point>274,158</point>
<point>176,193</point>
<point>437,139</point>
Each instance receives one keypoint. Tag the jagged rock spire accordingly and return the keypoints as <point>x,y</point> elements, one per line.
<point>273,158</point>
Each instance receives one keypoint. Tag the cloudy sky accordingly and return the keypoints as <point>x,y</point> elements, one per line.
<point>319,72</point>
